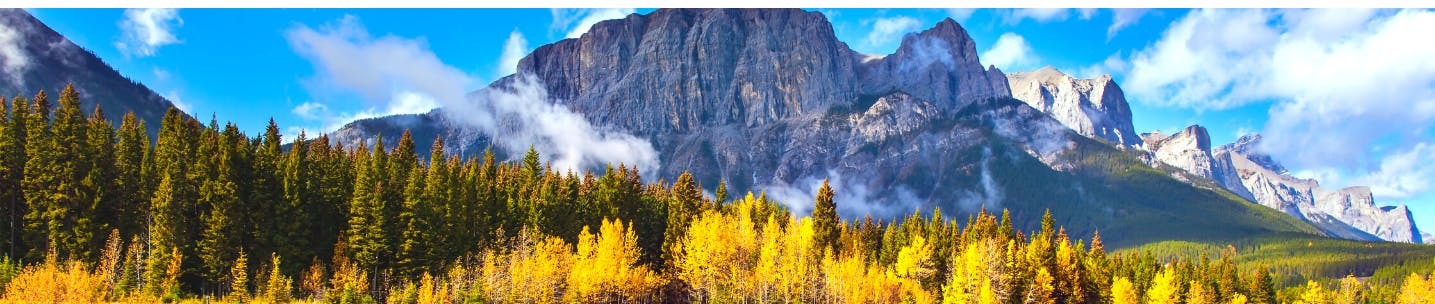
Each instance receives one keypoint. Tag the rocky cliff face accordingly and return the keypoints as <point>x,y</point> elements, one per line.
<point>1189,150</point>
<point>1094,107</point>
<point>1240,168</point>
<point>682,70</point>
<point>1348,213</point>
<point>45,60</point>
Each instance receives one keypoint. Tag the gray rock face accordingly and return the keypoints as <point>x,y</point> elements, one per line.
<point>1347,213</point>
<point>678,70</point>
<point>1239,167</point>
<point>1188,150</point>
<point>1093,107</point>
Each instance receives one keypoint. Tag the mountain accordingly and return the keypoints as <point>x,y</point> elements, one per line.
<point>1093,107</point>
<point>35,57</point>
<point>769,99</point>
<point>1349,212</point>
<point>1240,168</point>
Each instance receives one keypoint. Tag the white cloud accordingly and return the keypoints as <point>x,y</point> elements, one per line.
<point>145,30</point>
<point>886,31</point>
<point>576,21</point>
<point>310,110</point>
<point>1123,17</point>
<point>513,50</point>
<point>406,77</point>
<point>1209,59</point>
<point>347,58</point>
<point>15,59</point>
<point>1352,93</point>
<point>179,103</point>
<point>1010,53</point>
<point>1040,15</point>
<point>960,14</point>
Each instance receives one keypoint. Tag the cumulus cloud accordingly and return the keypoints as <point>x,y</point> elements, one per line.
<point>1043,15</point>
<point>1123,17</point>
<point>310,110</point>
<point>513,50</point>
<point>1213,59</point>
<point>145,30</point>
<point>960,14</point>
<point>404,76</point>
<point>345,56</point>
<point>1352,93</point>
<point>1010,53</point>
<point>886,31</point>
<point>13,58</point>
<point>576,21</point>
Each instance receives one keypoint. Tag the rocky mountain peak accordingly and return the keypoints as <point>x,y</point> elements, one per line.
<point>1093,107</point>
<point>1248,145</point>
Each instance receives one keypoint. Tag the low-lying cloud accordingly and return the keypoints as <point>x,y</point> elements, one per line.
<point>14,60</point>
<point>398,75</point>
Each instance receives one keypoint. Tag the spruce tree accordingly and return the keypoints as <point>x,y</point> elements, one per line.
<point>219,244</point>
<point>98,214</point>
<point>412,257</point>
<point>826,223</point>
<point>12,173</point>
<point>39,178</point>
<point>365,235</point>
<point>131,194</point>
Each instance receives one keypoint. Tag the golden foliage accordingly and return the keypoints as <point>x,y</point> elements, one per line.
<point>1123,292</point>
<point>605,267</point>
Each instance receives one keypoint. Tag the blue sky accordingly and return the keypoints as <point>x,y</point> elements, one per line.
<point>1347,96</point>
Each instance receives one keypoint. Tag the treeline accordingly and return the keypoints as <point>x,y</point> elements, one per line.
<point>97,213</point>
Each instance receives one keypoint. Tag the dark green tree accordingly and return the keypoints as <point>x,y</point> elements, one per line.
<point>39,177</point>
<point>826,223</point>
<point>12,173</point>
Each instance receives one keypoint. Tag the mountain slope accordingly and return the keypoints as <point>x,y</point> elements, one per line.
<point>770,100</point>
<point>35,58</point>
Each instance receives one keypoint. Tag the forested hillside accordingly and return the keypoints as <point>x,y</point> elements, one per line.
<point>97,213</point>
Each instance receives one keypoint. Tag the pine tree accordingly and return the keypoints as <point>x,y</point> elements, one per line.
<point>366,220</point>
<point>825,219</point>
<point>220,243</point>
<point>12,173</point>
<point>39,177</point>
<point>98,212</point>
<point>414,252</point>
<point>266,190</point>
<point>684,204</point>
<point>1262,289</point>
<point>171,227</point>
<point>131,195</point>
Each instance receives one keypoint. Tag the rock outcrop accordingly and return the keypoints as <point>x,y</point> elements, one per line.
<point>1093,107</point>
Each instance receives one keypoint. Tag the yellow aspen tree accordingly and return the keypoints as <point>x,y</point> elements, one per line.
<point>1041,288</point>
<point>1314,294</point>
<point>1416,290</point>
<point>1237,299</point>
<point>1164,289</point>
<point>1123,292</point>
<point>987,295</point>
<point>1350,291</point>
